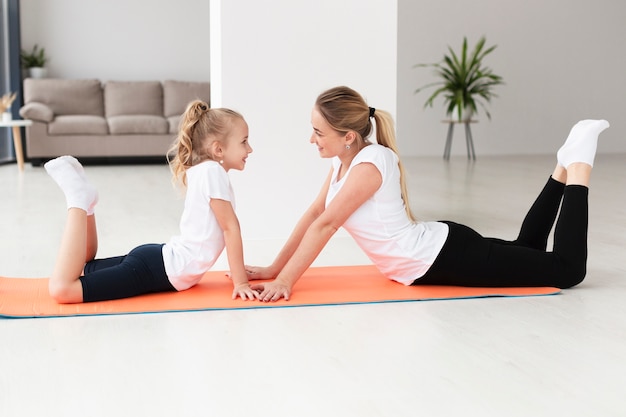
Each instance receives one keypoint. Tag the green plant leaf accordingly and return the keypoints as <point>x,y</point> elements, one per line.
<point>35,58</point>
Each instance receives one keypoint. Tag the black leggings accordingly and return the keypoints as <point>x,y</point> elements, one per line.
<point>469,259</point>
<point>140,272</point>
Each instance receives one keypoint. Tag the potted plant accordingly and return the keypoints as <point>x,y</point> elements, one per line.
<point>34,61</point>
<point>5,104</point>
<point>463,81</point>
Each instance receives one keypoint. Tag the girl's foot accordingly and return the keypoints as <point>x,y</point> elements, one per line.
<point>81,171</point>
<point>581,143</point>
<point>78,191</point>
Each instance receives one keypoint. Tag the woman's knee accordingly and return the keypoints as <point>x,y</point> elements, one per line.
<point>572,277</point>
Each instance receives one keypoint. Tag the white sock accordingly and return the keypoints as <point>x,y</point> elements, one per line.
<point>74,162</point>
<point>81,171</point>
<point>581,143</point>
<point>78,191</point>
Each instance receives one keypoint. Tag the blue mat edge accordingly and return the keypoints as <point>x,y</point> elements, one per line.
<point>269,305</point>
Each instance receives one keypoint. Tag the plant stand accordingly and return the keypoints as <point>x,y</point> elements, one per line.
<point>469,142</point>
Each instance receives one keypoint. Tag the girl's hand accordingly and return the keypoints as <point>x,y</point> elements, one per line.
<point>259,272</point>
<point>272,291</point>
<point>245,292</point>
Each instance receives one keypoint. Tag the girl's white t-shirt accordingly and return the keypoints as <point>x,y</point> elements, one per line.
<point>201,241</point>
<point>401,249</point>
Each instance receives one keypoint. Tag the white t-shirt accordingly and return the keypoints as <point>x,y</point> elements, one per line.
<point>201,241</point>
<point>402,250</point>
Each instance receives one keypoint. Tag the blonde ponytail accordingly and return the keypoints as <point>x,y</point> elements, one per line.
<point>386,136</point>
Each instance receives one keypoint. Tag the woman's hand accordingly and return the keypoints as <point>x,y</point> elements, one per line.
<point>245,292</point>
<point>272,291</point>
<point>260,272</point>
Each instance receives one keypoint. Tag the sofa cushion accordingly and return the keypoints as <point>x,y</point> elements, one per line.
<point>177,94</point>
<point>137,124</point>
<point>66,96</point>
<point>37,111</point>
<point>133,97</point>
<point>78,125</point>
<point>174,122</point>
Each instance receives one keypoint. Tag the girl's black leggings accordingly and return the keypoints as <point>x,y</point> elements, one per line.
<point>469,259</point>
<point>140,272</point>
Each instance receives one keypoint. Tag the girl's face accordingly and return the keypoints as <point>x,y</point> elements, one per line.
<point>329,142</point>
<point>236,149</point>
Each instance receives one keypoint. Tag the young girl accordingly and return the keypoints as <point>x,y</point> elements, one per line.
<point>209,144</point>
<point>365,193</point>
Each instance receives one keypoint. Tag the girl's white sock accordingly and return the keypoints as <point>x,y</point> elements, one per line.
<point>581,143</point>
<point>78,191</point>
<point>81,171</point>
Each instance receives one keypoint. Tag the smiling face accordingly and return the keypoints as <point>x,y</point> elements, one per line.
<point>235,149</point>
<point>329,142</point>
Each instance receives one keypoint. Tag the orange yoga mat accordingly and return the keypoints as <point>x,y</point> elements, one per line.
<point>28,297</point>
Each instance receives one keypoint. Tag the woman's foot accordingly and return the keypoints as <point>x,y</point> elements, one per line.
<point>67,172</point>
<point>581,143</point>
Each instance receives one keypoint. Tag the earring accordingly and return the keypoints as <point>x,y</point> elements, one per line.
<point>347,146</point>
<point>221,161</point>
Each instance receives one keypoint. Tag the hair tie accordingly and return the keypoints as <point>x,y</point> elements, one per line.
<point>372,111</point>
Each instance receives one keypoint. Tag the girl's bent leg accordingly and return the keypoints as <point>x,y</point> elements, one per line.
<point>78,242</point>
<point>64,284</point>
<point>92,238</point>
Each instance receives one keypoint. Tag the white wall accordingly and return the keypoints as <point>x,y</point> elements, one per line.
<point>120,39</point>
<point>562,60</point>
<point>274,60</point>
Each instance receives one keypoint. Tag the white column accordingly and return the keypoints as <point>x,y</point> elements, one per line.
<point>270,60</point>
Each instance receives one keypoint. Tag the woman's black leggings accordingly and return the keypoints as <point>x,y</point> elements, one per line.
<point>469,259</point>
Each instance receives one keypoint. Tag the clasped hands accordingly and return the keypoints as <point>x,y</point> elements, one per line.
<point>264,291</point>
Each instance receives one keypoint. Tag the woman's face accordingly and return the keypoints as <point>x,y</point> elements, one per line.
<point>329,142</point>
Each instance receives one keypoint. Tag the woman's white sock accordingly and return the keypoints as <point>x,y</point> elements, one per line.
<point>78,191</point>
<point>581,143</point>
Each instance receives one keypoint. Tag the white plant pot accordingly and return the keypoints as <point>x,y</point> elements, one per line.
<point>466,114</point>
<point>37,72</point>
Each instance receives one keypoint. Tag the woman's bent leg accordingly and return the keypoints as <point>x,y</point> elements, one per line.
<point>468,259</point>
<point>540,218</point>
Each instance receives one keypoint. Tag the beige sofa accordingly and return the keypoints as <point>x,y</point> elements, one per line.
<point>115,119</point>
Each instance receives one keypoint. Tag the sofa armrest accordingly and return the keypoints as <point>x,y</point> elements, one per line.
<point>37,111</point>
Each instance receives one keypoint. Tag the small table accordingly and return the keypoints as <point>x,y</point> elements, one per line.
<point>17,138</point>
<point>468,138</point>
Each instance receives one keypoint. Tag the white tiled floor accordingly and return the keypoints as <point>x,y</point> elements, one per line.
<point>536,356</point>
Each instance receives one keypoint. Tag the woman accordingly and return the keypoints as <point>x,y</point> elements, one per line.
<point>365,193</point>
